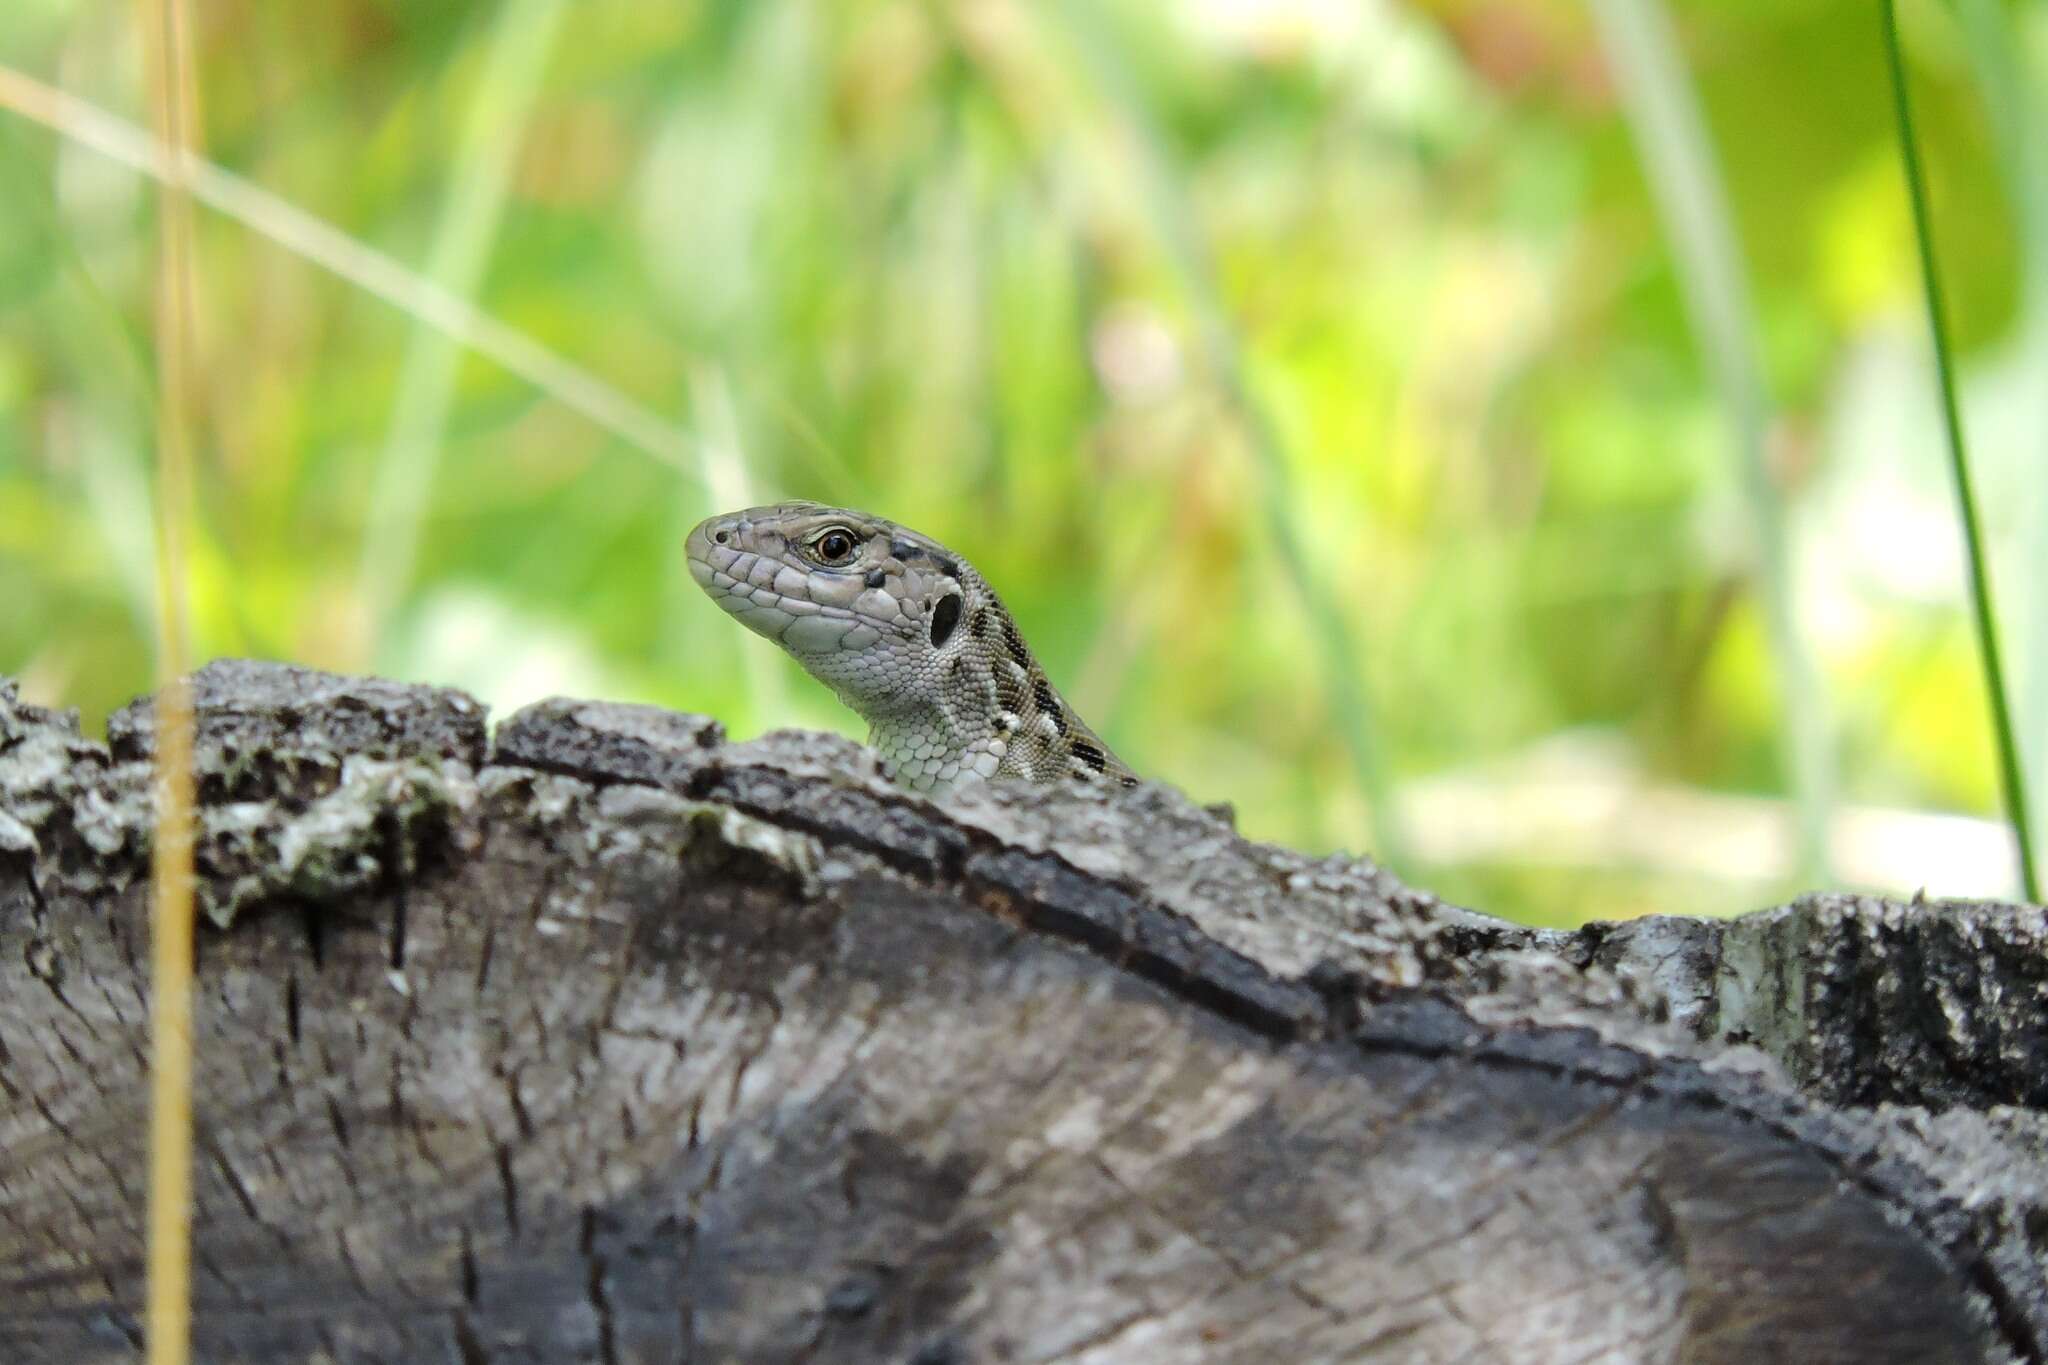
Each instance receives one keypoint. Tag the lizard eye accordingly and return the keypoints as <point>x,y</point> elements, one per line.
<point>835,546</point>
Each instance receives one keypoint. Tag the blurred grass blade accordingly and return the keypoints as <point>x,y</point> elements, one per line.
<point>1966,501</point>
<point>108,335</point>
<point>112,458</point>
<point>2019,119</point>
<point>1174,222</point>
<point>522,39</point>
<point>731,488</point>
<point>1677,157</point>
<point>167,41</point>
<point>362,266</point>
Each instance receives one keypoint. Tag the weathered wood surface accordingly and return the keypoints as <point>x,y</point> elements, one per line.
<point>620,1043</point>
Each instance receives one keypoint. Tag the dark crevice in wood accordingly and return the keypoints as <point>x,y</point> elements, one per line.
<point>508,1187</point>
<point>601,1308</point>
<point>468,1348</point>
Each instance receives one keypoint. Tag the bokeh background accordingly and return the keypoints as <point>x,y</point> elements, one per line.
<point>1498,435</point>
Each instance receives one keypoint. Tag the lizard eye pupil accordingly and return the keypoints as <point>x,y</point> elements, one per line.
<point>835,547</point>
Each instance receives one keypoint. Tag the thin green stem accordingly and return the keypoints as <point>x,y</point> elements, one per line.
<point>1966,500</point>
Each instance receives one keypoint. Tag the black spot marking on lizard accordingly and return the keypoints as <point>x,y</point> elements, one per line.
<point>977,624</point>
<point>1091,755</point>
<point>1014,642</point>
<point>945,617</point>
<point>877,577</point>
<point>905,551</point>
<point>1048,704</point>
<point>1127,780</point>
<point>947,567</point>
<point>1012,685</point>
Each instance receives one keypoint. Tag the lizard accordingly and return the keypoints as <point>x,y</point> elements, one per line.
<point>909,635</point>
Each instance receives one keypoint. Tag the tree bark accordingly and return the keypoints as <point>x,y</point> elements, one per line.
<point>608,1040</point>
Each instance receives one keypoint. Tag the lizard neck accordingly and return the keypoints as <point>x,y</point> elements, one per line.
<point>931,747</point>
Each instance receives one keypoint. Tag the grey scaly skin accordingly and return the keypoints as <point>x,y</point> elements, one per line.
<point>908,635</point>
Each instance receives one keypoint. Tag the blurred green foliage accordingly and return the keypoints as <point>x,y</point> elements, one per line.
<point>1116,299</point>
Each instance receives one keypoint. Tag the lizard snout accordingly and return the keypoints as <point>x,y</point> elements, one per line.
<point>710,547</point>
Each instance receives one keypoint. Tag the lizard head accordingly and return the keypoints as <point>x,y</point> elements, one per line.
<point>868,607</point>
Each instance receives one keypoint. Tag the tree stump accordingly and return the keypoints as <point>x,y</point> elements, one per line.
<point>604,1039</point>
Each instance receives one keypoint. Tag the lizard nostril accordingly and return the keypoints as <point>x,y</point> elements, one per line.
<point>722,537</point>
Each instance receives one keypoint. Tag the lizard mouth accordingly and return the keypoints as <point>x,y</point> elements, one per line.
<point>742,581</point>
